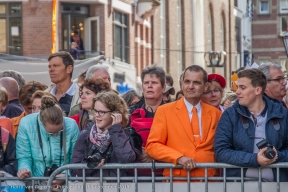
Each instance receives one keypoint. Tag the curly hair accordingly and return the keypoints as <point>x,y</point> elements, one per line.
<point>114,103</point>
<point>95,85</point>
<point>28,90</point>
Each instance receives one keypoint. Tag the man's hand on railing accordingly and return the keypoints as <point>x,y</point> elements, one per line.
<point>187,162</point>
<point>144,157</point>
<point>23,173</point>
<point>262,160</point>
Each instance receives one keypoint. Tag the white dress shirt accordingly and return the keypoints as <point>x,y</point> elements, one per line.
<point>189,108</point>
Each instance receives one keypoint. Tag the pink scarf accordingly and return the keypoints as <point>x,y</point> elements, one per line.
<point>99,137</point>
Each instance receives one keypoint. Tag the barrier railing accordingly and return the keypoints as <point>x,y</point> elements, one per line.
<point>159,180</point>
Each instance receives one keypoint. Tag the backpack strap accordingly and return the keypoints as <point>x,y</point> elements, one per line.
<point>135,140</point>
<point>4,138</point>
<point>276,125</point>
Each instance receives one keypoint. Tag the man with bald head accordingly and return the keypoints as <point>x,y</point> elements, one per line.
<point>14,108</point>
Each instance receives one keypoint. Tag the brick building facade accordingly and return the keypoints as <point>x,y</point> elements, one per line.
<point>174,34</point>
<point>270,20</point>
<point>185,30</point>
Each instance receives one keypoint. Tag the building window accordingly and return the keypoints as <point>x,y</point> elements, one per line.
<point>283,6</point>
<point>264,7</point>
<point>283,24</point>
<point>236,3</point>
<point>121,48</point>
<point>11,28</point>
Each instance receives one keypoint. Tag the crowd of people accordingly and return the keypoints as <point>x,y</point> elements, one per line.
<point>86,121</point>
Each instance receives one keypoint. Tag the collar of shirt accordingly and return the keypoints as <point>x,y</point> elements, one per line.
<point>189,106</point>
<point>263,113</point>
<point>70,91</point>
<point>221,108</point>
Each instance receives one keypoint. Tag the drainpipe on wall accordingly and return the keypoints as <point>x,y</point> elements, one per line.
<point>230,47</point>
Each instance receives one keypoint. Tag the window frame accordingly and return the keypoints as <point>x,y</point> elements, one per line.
<point>124,39</point>
<point>281,31</point>
<point>264,12</point>
<point>281,9</point>
<point>9,17</point>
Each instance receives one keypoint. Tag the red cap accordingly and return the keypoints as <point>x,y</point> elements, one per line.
<point>218,78</point>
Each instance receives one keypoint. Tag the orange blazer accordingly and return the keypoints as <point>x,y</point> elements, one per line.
<point>171,137</point>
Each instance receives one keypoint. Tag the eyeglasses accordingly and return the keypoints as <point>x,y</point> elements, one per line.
<point>100,113</point>
<point>279,79</point>
<point>215,91</point>
<point>52,133</point>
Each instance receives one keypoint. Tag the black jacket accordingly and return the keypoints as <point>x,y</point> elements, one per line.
<point>9,163</point>
<point>122,151</point>
<point>13,109</point>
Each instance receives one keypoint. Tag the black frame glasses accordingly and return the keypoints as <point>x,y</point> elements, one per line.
<point>100,113</point>
<point>279,79</point>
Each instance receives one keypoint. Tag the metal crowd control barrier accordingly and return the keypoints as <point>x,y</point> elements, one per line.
<point>159,184</point>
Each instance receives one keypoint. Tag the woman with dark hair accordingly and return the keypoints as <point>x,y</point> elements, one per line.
<point>179,95</point>
<point>131,97</point>
<point>25,95</point>
<point>45,141</point>
<point>107,134</point>
<point>88,91</point>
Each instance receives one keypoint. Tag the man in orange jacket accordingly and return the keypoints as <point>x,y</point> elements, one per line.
<point>183,131</point>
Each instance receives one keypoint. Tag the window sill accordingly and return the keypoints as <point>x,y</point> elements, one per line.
<point>264,14</point>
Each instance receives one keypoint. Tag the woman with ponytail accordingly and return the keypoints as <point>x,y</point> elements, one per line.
<point>45,140</point>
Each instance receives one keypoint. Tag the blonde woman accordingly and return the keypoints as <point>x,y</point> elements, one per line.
<point>215,92</point>
<point>41,141</point>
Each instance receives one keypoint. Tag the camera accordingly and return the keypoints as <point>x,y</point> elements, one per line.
<point>49,170</point>
<point>97,155</point>
<point>269,152</point>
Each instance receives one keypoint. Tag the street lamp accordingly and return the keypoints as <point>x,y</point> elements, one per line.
<point>284,36</point>
<point>215,58</point>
